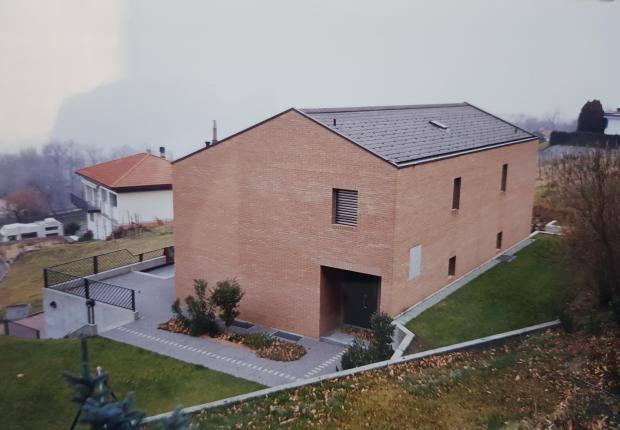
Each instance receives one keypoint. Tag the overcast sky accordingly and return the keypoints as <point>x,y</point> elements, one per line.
<point>152,73</point>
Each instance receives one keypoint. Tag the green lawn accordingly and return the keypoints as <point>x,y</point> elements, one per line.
<point>41,398</point>
<point>529,290</point>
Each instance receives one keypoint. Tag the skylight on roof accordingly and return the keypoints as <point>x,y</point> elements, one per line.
<point>439,124</point>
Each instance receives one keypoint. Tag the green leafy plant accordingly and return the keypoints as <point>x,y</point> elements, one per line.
<point>226,296</point>
<point>381,340</point>
<point>99,409</point>
<point>198,316</point>
<point>257,340</point>
<point>378,348</point>
<point>356,355</point>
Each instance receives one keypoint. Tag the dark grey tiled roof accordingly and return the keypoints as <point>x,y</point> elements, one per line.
<point>402,134</point>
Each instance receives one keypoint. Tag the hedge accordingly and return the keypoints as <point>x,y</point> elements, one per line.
<point>581,138</point>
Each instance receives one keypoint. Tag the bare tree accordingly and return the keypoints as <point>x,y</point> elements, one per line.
<point>586,187</point>
<point>25,204</point>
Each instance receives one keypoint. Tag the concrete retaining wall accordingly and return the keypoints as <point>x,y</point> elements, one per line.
<point>70,314</point>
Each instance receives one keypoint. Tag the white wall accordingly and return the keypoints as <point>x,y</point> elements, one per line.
<point>613,125</point>
<point>142,206</point>
<point>146,206</point>
<point>71,314</point>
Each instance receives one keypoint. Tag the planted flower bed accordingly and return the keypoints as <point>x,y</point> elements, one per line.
<point>263,344</point>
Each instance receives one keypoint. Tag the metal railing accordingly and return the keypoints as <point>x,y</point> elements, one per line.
<point>80,203</point>
<point>72,277</point>
<point>111,260</point>
<point>89,289</point>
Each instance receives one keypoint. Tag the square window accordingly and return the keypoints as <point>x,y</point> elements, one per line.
<point>344,207</point>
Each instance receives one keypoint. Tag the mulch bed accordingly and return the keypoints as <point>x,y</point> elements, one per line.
<point>277,350</point>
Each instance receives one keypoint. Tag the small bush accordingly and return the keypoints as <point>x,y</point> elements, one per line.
<point>199,317</point>
<point>71,228</point>
<point>567,321</point>
<point>356,355</point>
<point>257,340</point>
<point>379,347</point>
<point>226,296</point>
<point>381,341</point>
<point>87,236</point>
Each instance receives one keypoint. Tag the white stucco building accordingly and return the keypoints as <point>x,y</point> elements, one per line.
<point>134,190</point>
<point>613,122</point>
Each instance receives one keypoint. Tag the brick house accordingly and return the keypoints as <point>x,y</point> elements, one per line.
<point>326,215</point>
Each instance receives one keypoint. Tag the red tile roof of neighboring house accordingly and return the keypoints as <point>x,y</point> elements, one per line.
<point>133,173</point>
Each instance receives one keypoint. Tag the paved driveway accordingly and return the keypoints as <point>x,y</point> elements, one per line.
<point>153,298</point>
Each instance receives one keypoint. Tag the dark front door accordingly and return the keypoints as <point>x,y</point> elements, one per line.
<point>360,297</point>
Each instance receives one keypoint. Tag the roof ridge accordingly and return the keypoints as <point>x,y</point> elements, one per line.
<point>110,161</point>
<point>378,108</point>
<point>131,169</point>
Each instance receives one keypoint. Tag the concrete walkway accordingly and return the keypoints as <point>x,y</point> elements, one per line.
<point>154,295</point>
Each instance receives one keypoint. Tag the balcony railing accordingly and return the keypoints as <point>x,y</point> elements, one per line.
<point>84,205</point>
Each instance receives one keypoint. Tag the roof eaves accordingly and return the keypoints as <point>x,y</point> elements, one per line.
<point>432,158</point>
<point>233,135</point>
<point>379,108</point>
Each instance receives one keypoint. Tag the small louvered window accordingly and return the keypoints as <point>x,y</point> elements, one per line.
<point>345,207</point>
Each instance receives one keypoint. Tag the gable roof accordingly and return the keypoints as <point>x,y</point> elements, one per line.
<point>411,134</point>
<point>404,135</point>
<point>133,173</point>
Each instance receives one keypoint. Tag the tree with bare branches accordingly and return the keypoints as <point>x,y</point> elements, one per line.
<point>587,187</point>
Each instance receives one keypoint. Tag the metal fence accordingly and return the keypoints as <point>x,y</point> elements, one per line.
<point>13,328</point>
<point>90,289</point>
<point>72,277</point>
<point>111,260</point>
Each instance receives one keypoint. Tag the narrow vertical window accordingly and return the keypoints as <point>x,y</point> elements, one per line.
<point>415,262</point>
<point>452,266</point>
<point>498,240</point>
<point>504,177</point>
<point>456,193</point>
<point>345,207</point>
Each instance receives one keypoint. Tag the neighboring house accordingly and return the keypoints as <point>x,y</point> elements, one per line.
<point>613,122</point>
<point>47,228</point>
<point>328,215</point>
<point>134,190</point>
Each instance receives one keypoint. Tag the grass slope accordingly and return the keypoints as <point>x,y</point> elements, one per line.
<point>529,290</point>
<point>549,380</point>
<point>24,281</point>
<point>41,399</point>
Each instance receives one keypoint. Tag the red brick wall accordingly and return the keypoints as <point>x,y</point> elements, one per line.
<point>258,207</point>
<point>425,216</point>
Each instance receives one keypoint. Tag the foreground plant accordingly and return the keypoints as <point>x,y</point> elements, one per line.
<point>378,348</point>
<point>199,317</point>
<point>99,408</point>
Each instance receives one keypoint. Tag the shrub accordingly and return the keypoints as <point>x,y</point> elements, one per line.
<point>87,236</point>
<point>379,347</point>
<point>567,321</point>
<point>199,317</point>
<point>71,228</point>
<point>356,355</point>
<point>226,296</point>
<point>381,341</point>
<point>257,340</point>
